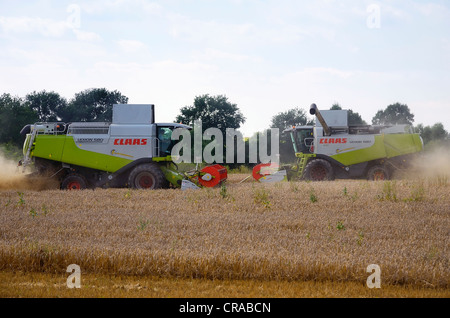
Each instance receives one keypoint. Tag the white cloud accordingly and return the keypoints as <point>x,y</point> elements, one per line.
<point>327,71</point>
<point>207,31</point>
<point>102,6</point>
<point>394,12</point>
<point>284,54</point>
<point>27,57</point>
<point>432,10</point>
<point>446,44</point>
<point>214,54</point>
<point>86,36</point>
<point>45,27</point>
<point>130,46</point>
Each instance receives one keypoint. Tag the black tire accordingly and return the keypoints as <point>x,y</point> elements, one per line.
<point>74,182</point>
<point>146,176</point>
<point>319,170</point>
<point>378,173</point>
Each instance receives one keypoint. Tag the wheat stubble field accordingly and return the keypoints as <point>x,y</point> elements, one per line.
<point>289,239</point>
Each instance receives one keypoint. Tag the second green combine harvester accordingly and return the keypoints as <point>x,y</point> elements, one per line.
<point>334,149</point>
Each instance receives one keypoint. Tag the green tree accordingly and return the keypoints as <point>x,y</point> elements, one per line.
<point>214,111</point>
<point>292,117</point>
<point>354,118</point>
<point>395,114</point>
<point>435,133</point>
<point>336,106</point>
<point>47,105</point>
<point>14,115</point>
<point>93,104</point>
<point>438,132</point>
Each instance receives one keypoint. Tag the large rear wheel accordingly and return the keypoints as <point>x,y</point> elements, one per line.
<point>146,176</point>
<point>378,173</point>
<point>319,170</point>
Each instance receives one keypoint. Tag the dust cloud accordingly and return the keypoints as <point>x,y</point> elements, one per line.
<point>13,177</point>
<point>431,164</point>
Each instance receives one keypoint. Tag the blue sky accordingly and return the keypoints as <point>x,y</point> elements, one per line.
<point>265,56</point>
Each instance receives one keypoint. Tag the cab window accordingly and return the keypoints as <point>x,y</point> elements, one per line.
<point>305,140</point>
<point>165,141</point>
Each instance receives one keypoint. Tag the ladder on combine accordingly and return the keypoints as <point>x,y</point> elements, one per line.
<point>27,158</point>
<point>302,162</point>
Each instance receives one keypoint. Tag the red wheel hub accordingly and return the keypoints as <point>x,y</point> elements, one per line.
<point>74,185</point>
<point>146,181</point>
<point>379,175</point>
<point>319,173</point>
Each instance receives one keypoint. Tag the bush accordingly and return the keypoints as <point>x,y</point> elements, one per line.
<point>11,152</point>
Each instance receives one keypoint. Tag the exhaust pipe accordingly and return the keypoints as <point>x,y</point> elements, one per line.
<point>315,111</point>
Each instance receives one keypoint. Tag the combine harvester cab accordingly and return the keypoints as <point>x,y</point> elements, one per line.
<point>131,151</point>
<point>333,149</point>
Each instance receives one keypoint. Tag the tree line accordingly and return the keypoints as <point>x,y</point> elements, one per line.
<point>88,105</point>
<point>215,111</point>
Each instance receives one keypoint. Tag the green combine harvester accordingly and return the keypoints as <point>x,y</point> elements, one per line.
<point>334,149</point>
<point>131,151</point>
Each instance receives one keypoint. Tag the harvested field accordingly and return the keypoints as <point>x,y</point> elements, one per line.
<point>288,231</point>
